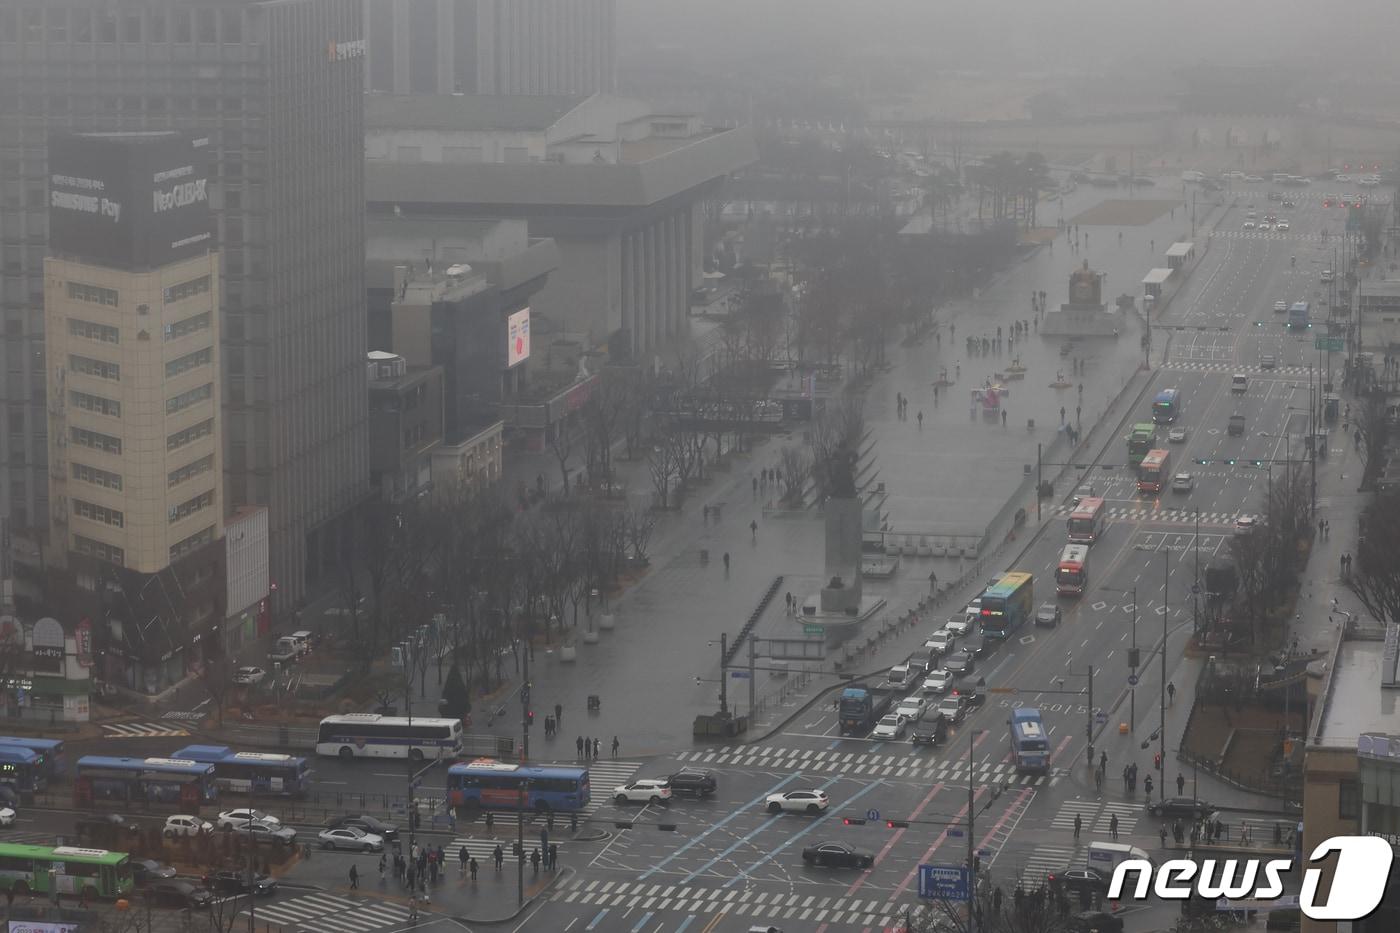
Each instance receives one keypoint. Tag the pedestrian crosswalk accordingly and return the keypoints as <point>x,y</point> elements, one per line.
<point>865,764</point>
<point>1046,861</point>
<point>1217,366</point>
<point>141,730</point>
<point>1270,235</point>
<point>1145,513</point>
<point>1096,817</point>
<point>772,907</point>
<point>329,913</point>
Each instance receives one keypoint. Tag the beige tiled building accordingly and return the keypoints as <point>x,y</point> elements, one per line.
<point>134,426</point>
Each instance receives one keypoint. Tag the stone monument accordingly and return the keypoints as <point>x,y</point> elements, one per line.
<point>1086,314</point>
<point>841,591</point>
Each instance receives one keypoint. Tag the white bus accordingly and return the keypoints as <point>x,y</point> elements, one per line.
<point>369,735</point>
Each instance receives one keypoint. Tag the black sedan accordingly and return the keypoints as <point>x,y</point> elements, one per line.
<point>363,821</point>
<point>837,855</point>
<point>1181,806</point>
<point>144,870</point>
<point>176,893</point>
<point>230,881</point>
<point>959,662</point>
<point>1075,880</point>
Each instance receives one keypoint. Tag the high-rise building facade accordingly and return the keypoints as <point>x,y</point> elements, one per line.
<point>491,46</point>
<point>276,87</point>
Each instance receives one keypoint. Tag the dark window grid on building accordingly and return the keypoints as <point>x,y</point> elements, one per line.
<point>95,440</point>
<point>92,475</point>
<point>190,470</point>
<point>189,435</point>
<point>90,330</point>
<point>187,508</point>
<point>90,367</point>
<point>189,361</point>
<point>1349,800</point>
<point>183,290</point>
<point>193,542</point>
<point>190,325</point>
<point>95,404</point>
<point>79,291</point>
<point>186,399</point>
<point>98,513</point>
<point>100,550</point>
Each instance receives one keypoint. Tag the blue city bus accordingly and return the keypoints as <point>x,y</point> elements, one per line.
<point>54,764</point>
<point>252,772</point>
<point>1298,313</point>
<point>1030,745</point>
<point>489,784</point>
<point>177,784</point>
<point>22,769</point>
<point>1166,407</point>
<point>1006,604</point>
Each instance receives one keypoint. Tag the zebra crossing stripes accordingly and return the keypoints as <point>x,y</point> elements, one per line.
<point>1127,513</point>
<point>141,730</point>
<point>329,913</point>
<point>1046,861</point>
<point>771,906</point>
<point>1127,814</point>
<point>1217,366</point>
<point>1097,816</point>
<point>865,764</point>
<point>1086,810</point>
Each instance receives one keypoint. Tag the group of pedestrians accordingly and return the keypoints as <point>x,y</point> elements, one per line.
<point>591,749</point>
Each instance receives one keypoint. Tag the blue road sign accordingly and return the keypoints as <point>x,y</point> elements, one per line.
<point>1132,680</point>
<point>872,814</point>
<point>946,882</point>
<point>740,675</point>
<point>1101,717</point>
<point>954,832</point>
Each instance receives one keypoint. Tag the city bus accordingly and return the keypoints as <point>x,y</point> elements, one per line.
<point>1140,441</point>
<point>1072,576</point>
<point>1298,314</point>
<point>1030,745</point>
<point>1086,521</point>
<point>252,772</point>
<point>174,783</point>
<point>22,769</point>
<point>54,763</point>
<point>1006,604</point>
<point>489,784</point>
<point>370,735</point>
<point>89,873</point>
<point>1153,472</point>
<point>1166,406</point>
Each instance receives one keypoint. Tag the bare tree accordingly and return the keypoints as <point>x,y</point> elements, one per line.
<point>1373,427</point>
<point>1375,576</point>
<point>561,442</point>
<point>661,464</point>
<point>795,464</point>
<point>217,678</point>
<point>640,525</point>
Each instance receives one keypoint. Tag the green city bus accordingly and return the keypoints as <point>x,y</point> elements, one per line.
<point>1143,439</point>
<point>91,872</point>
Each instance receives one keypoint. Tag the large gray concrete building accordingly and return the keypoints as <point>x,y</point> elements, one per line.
<point>491,46</point>
<point>278,89</point>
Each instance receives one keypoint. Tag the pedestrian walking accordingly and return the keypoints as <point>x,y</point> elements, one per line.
<point>753,529</point>
<point>921,419</point>
<point>553,856</point>
<point>726,561</point>
<point>578,744</point>
<point>1180,784</point>
<point>1127,774</point>
<point>473,868</point>
<point>1078,825</point>
<point>535,860</point>
<point>597,748</point>
<point>587,747</point>
<point>1171,693</point>
<point>499,856</point>
<point>1113,826</point>
<point>615,744</point>
<point>1147,786</point>
<point>1098,781</point>
<point>1103,761</point>
<point>383,864</point>
<point>399,867</point>
<point>1162,832</point>
<point>558,713</point>
<point>412,878</point>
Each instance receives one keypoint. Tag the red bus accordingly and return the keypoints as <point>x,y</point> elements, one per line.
<point>1086,521</point>
<point>1152,472</point>
<point>1072,576</point>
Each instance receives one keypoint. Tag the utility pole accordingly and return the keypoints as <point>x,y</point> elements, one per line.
<point>1037,482</point>
<point>723,673</point>
<point>1089,718</point>
<point>1132,667</point>
<point>971,825</point>
<point>524,756</point>
<point>1196,586</point>
<point>1162,725</point>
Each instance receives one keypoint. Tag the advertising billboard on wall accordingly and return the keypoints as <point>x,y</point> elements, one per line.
<point>518,337</point>
<point>129,200</point>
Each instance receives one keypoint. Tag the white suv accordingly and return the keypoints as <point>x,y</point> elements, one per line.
<point>237,819</point>
<point>182,824</point>
<point>940,641</point>
<point>962,625</point>
<point>645,790</point>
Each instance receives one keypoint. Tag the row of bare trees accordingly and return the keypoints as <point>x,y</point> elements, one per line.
<point>1269,558</point>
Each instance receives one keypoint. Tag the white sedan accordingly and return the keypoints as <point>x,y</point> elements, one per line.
<point>184,824</point>
<point>7,817</point>
<point>911,708</point>
<point>249,676</point>
<point>798,801</point>
<point>645,790</point>
<point>890,727</point>
<point>1282,226</point>
<point>962,625</point>
<point>235,819</point>
<point>349,837</point>
<point>938,682</point>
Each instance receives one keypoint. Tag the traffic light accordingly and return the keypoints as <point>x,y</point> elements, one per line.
<point>853,821</point>
<point>1258,463</point>
<point>1231,461</point>
<point>897,824</point>
<point>1202,462</point>
<point>529,718</point>
<point>1134,656</point>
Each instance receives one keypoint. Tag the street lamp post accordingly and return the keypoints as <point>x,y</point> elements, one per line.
<point>1132,657</point>
<point>971,824</point>
<point>1162,724</point>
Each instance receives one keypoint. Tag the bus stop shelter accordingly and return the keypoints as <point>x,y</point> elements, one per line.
<point>1154,280</point>
<point>1179,254</point>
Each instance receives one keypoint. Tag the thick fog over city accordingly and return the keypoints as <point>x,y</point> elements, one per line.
<point>941,462</point>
